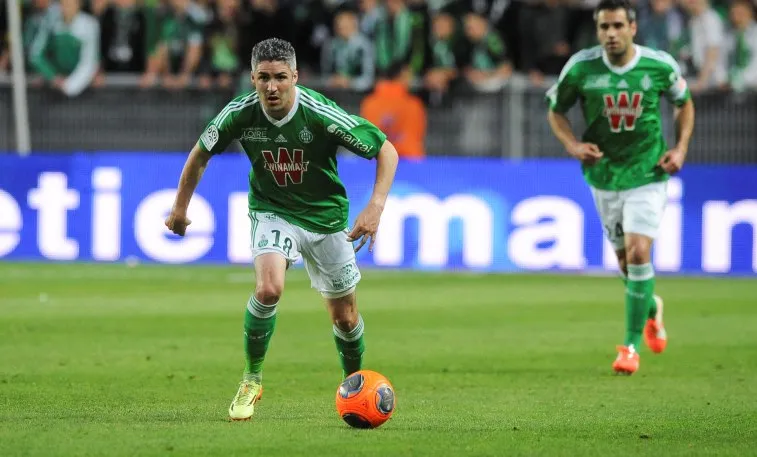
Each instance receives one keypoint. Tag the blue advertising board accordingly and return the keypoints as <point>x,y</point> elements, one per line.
<point>443,214</point>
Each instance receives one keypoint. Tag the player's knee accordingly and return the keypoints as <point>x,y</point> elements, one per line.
<point>637,253</point>
<point>269,293</point>
<point>344,313</point>
<point>346,322</point>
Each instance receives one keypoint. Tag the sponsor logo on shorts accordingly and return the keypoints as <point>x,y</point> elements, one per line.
<point>346,277</point>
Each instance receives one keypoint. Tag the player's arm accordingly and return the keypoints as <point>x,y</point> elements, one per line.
<point>191,174</point>
<point>561,97</point>
<point>364,139</point>
<point>677,91</point>
<point>215,139</point>
<point>386,166</point>
<point>367,222</point>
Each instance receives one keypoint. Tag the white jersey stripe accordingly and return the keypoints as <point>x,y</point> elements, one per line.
<point>580,56</point>
<point>337,112</point>
<point>253,96</point>
<point>661,56</point>
<point>233,110</point>
<point>328,114</point>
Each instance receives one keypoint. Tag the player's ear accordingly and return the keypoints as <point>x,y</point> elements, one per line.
<point>634,28</point>
<point>294,77</point>
<point>252,77</point>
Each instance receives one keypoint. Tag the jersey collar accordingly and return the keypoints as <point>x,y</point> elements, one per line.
<point>281,122</point>
<point>620,70</point>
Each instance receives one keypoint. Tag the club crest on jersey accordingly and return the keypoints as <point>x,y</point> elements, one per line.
<point>305,135</point>
<point>646,82</point>
<point>286,167</point>
<point>623,111</point>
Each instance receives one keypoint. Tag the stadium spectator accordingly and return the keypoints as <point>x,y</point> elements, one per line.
<point>66,48</point>
<point>502,15</point>
<point>221,62</point>
<point>743,47</point>
<point>179,49</point>
<point>445,55</point>
<point>397,113</point>
<point>97,7</point>
<point>488,67</point>
<point>707,39</point>
<point>544,47</point>
<point>663,27</point>
<point>262,19</point>
<point>370,14</point>
<point>123,39</point>
<point>33,16</point>
<point>347,59</point>
<point>396,41</point>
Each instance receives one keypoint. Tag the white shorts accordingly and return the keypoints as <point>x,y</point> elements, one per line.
<point>637,210</point>
<point>329,259</point>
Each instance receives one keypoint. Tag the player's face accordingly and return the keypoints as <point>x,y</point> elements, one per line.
<point>615,32</point>
<point>274,81</point>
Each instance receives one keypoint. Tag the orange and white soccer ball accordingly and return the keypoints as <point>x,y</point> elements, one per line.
<point>365,399</point>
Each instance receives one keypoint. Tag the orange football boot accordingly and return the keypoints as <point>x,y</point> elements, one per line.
<point>627,361</point>
<point>654,331</point>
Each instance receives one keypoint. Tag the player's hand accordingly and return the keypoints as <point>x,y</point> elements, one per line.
<point>177,222</point>
<point>366,226</point>
<point>672,161</point>
<point>587,153</point>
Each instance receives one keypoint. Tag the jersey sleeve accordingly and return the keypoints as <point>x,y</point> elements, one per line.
<point>675,88</point>
<point>357,135</point>
<point>564,93</point>
<point>224,128</point>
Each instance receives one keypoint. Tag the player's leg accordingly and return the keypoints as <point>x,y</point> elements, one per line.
<point>330,262</point>
<point>260,314</point>
<point>348,329</point>
<point>274,247</point>
<point>610,208</point>
<point>642,213</point>
<point>655,305</point>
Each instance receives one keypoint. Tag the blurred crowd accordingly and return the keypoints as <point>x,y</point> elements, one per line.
<point>74,44</point>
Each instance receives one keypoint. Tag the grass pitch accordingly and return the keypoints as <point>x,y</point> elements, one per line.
<point>109,360</point>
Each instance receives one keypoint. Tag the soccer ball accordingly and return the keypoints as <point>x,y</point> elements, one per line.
<point>365,399</point>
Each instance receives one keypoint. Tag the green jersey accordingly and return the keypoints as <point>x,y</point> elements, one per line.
<point>294,160</point>
<point>621,107</point>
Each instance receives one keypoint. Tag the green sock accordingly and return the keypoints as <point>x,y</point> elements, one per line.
<point>259,323</point>
<point>639,293</point>
<point>350,346</point>
<point>652,303</point>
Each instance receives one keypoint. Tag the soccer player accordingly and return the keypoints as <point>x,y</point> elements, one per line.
<point>624,156</point>
<point>297,204</point>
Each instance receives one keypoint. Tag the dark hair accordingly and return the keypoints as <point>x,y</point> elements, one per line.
<point>274,50</point>
<point>611,5</point>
